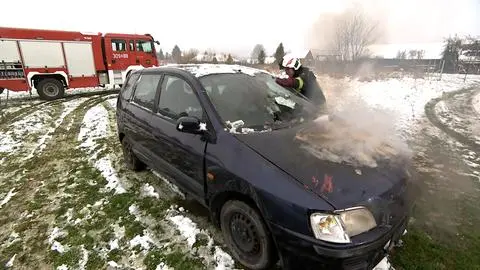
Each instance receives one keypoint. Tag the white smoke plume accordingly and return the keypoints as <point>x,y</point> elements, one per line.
<point>354,132</point>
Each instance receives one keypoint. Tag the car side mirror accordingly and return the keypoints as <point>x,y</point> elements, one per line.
<point>190,124</point>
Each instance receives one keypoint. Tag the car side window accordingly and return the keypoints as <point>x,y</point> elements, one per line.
<point>128,89</point>
<point>177,99</point>
<point>146,89</point>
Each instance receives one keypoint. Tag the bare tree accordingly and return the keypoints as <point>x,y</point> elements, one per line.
<point>256,51</point>
<point>354,32</point>
<point>412,54</point>
<point>420,54</point>
<point>190,55</point>
<point>402,54</point>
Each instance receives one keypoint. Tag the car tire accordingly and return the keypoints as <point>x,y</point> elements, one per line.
<point>131,160</point>
<point>50,89</point>
<point>247,236</point>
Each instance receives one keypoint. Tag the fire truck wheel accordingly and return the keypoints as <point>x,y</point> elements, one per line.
<point>50,89</point>
<point>1,90</point>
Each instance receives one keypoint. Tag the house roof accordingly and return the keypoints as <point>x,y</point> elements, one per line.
<point>431,50</point>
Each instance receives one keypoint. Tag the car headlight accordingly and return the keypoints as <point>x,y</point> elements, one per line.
<point>342,225</point>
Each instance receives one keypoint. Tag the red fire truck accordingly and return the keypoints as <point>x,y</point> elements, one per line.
<point>52,61</point>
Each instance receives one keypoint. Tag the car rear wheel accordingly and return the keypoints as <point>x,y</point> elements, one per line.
<point>246,235</point>
<point>131,160</point>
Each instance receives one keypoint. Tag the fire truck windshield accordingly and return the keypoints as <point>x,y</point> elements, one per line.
<point>144,46</point>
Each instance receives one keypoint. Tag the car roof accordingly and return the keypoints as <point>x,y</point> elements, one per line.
<point>201,70</point>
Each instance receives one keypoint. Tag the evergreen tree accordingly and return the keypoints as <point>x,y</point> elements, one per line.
<point>177,54</point>
<point>261,57</point>
<point>229,59</point>
<point>279,53</point>
<point>160,55</point>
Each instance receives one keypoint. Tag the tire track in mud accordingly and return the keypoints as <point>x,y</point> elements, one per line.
<point>463,109</point>
<point>26,218</point>
<point>36,103</point>
<point>448,165</point>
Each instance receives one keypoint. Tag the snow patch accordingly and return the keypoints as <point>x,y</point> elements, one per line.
<point>148,191</point>
<point>95,126</point>
<point>113,264</point>
<point>118,231</point>
<point>163,266</point>
<point>62,267</point>
<point>112,102</point>
<point>476,103</point>
<point>208,69</point>
<point>113,244</point>
<point>56,233</point>
<point>405,97</point>
<point>384,264</point>
<point>7,197</point>
<point>189,230</point>
<point>10,262</point>
<point>104,165</point>
<point>12,140</point>
<point>144,241</point>
<point>223,260</point>
<point>57,246</point>
<point>235,125</point>
<point>186,227</point>
<point>83,261</point>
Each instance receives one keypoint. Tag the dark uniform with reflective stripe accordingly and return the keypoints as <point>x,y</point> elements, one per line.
<point>305,82</point>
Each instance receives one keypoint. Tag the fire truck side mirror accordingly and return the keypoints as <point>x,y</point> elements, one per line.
<point>157,42</point>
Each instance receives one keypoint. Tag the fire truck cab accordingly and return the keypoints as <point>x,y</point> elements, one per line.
<point>53,61</point>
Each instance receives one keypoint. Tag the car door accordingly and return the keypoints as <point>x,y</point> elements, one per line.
<point>179,155</point>
<point>140,111</point>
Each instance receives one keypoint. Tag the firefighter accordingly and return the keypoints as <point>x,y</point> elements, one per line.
<point>301,79</point>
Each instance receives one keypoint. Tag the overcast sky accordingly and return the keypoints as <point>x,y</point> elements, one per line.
<point>236,26</point>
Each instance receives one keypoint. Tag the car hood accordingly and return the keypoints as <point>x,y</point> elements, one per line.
<point>344,180</point>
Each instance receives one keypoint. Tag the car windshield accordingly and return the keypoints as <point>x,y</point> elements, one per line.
<point>247,103</point>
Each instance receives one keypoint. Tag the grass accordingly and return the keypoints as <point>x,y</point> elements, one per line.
<point>420,251</point>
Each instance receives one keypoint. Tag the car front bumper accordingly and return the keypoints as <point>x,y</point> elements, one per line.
<point>299,251</point>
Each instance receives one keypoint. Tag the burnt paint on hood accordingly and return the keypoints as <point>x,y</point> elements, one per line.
<point>341,184</point>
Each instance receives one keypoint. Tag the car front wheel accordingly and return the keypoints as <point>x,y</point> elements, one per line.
<point>246,235</point>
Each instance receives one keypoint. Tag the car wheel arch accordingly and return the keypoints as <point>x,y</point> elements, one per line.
<point>218,200</point>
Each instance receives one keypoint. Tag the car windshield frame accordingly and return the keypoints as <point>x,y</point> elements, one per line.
<point>280,107</point>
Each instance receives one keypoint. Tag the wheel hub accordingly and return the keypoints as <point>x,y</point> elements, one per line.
<point>51,89</point>
<point>244,234</point>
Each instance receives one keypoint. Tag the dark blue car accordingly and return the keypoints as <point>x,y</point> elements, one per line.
<point>248,150</point>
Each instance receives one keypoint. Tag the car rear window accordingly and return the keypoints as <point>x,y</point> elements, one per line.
<point>146,89</point>
<point>127,90</point>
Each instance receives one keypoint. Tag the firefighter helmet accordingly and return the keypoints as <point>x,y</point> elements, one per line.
<point>290,61</point>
